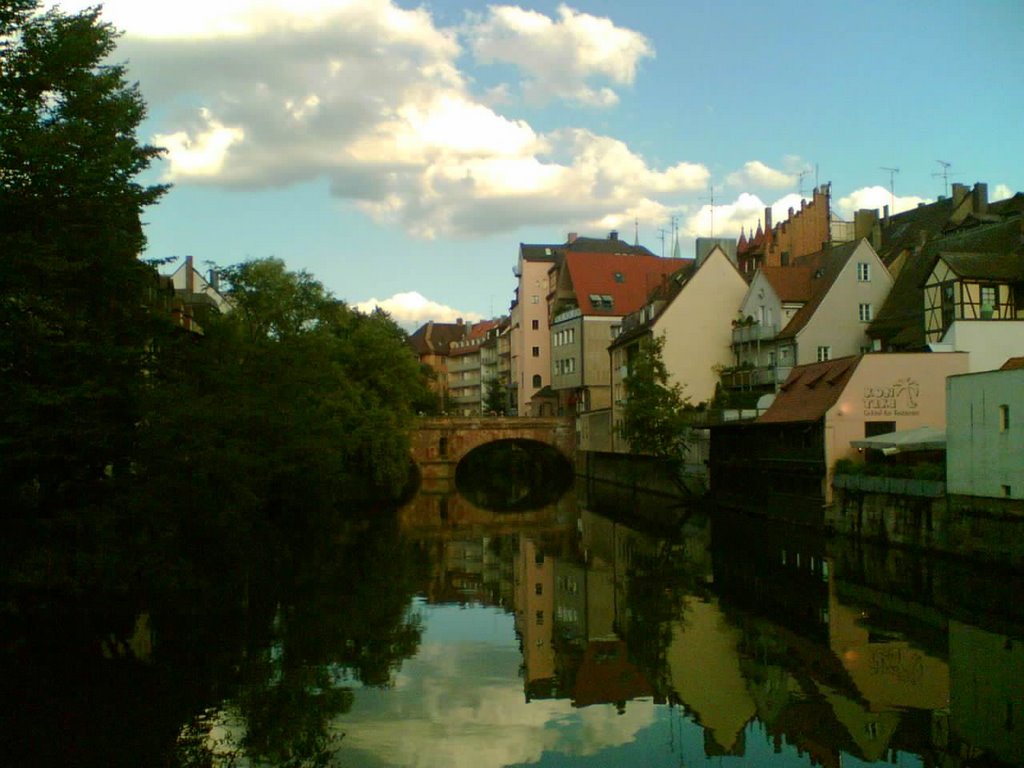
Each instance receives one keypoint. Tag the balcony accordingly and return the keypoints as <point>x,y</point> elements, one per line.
<point>744,334</point>
<point>753,378</point>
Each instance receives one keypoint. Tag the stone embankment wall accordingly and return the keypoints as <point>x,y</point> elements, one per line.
<point>987,530</point>
<point>643,473</point>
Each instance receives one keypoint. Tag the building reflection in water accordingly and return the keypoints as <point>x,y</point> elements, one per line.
<point>747,629</point>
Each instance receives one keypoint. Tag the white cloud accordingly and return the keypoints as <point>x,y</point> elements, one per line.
<point>876,198</point>
<point>411,310</point>
<point>745,213</point>
<point>202,153</point>
<point>369,96</point>
<point>757,174</point>
<point>453,720</point>
<point>1000,192</point>
<point>559,57</point>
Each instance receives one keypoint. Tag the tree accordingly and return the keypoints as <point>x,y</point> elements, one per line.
<point>653,420</point>
<point>496,397</point>
<point>75,330</point>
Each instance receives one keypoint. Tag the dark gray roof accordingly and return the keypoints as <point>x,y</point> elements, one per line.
<point>900,321</point>
<point>990,266</point>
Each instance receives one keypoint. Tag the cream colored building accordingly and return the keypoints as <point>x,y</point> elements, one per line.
<point>848,287</point>
<point>530,340</point>
<point>695,318</point>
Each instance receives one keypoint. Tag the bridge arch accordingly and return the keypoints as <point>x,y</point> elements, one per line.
<point>439,444</point>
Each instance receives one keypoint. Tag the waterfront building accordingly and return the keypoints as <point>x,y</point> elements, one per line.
<point>694,312</point>
<point>785,458</point>
<point>432,342</point>
<point>985,437</point>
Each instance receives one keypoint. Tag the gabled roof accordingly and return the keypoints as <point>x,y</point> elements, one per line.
<point>810,390</point>
<point>555,252</point>
<point>990,266</point>
<point>791,284</point>
<point>613,284</point>
<point>900,321</point>
<point>1012,364</point>
<point>822,278</point>
<point>435,338</point>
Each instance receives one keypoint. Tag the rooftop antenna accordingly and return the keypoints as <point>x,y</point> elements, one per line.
<point>675,237</point>
<point>800,182</point>
<point>944,173</point>
<point>636,231</point>
<point>892,187</point>
<point>661,236</point>
<point>711,198</point>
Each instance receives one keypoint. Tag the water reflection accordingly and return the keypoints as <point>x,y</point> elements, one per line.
<point>604,629</point>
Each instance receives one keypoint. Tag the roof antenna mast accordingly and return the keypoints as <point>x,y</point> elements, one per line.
<point>800,182</point>
<point>636,231</point>
<point>711,187</point>
<point>892,187</point>
<point>944,173</point>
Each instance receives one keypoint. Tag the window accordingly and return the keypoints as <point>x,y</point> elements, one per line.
<point>863,272</point>
<point>535,324</point>
<point>538,588</point>
<point>619,277</point>
<point>615,331</point>
<point>1004,418</point>
<point>535,299</point>
<point>1007,491</point>
<point>824,353</point>
<point>989,301</point>
<point>540,618</point>
<point>536,352</point>
<point>864,312</point>
<point>536,380</point>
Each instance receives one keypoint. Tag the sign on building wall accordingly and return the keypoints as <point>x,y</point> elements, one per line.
<point>897,399</point>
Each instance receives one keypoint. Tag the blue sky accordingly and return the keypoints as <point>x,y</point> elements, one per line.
<point>401,152</point>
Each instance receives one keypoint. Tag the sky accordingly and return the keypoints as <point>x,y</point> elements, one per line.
<point>400,152</point>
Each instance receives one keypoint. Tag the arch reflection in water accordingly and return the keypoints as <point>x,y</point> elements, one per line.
<point>513,475</point>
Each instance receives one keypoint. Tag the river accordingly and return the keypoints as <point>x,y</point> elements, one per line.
<point>606,629</point>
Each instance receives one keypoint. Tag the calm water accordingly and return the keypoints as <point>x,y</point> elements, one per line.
<point>599,631</point>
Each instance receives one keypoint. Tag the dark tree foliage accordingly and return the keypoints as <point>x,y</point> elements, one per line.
<point>496,397</point>
<point>653,420</point>
<point>74,326</point>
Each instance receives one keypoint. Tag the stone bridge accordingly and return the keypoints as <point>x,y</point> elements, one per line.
<point>439,444</point>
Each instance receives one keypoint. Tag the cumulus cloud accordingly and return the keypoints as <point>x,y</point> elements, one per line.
<point>757,174</point>
<point>560,57</point>
<point>743,214</point>
<point>411,310</point>
<point>1000,192</point>
<point>452,720</point>
<point>875,197</point>
<point>370,97</point>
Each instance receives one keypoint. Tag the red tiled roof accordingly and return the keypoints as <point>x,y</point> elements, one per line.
<point>832,262</point>
<point>789,283</point>
<point>810,390</point>
<point>627,279</point>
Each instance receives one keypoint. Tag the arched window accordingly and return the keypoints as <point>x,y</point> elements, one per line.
<point>536,380</point>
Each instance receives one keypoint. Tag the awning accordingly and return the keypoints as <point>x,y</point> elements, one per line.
<point>920,439</point>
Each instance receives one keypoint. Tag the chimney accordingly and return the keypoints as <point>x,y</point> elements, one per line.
<point>885,215</point>
<point>214,280</point>
<point>572,238</point>
<point>190,276</point>
<point>767,218</point>
<point>980,195</point>
<point>959,193</point>
<point>613,235</point>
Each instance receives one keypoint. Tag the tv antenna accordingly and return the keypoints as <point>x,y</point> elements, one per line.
<point>892,187</point>
<point>661,236</point>
<point>711,198</point>
<point>945,174</point>
<point>636,231</point>
<point>800,182</point>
